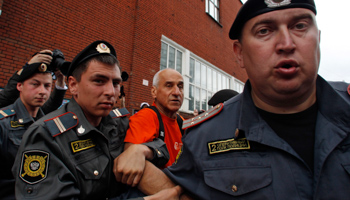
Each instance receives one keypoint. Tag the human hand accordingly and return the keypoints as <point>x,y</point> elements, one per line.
<point>129,166</point>
<point>42,57</point>
<point>195,112</point>
<point>170,194</point>
<point>60,79</point>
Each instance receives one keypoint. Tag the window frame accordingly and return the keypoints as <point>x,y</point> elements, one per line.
<point>216,9</point>
<point>187,56</point>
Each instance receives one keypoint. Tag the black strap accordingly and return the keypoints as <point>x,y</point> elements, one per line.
<point>179,122</point>
<point>161,125</point>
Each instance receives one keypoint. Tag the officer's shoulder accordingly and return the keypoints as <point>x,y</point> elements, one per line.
<point>6,112</point>
<point>119,112</point>
<point>61,123</point>
<point>340,85</point>
<point>203,116</point>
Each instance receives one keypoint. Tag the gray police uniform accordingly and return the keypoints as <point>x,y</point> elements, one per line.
<point>14,121</point>
<point>10,93</point>
<point>218,162</point>
<point>63,156</point>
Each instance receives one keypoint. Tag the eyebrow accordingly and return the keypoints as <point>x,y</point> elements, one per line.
<point>105,77</point>
<point>38,81</point>
<point>294,18</point>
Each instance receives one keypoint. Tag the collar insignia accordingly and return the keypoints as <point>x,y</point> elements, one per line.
<point>103,48</point>
<point>81,130</point>
<point>277,3</point>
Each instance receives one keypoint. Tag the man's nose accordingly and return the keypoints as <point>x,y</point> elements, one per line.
<point>285,41</point>
<point>110,89</point>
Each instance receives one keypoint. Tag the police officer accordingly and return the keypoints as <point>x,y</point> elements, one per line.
<point>287,136</point>
<point>10,93</point>
<point>70,152</point>
<point>34,86</point>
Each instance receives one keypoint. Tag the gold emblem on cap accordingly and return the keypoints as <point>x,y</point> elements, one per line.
<point>42,67</point>
<point>277,3</point>
<point>103,48</point>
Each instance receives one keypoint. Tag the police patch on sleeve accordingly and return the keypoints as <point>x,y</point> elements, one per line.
<point>34,166</point>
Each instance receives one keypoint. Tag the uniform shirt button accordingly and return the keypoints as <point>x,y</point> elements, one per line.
<point>29,190</point>
<point>96,173</point>
<point>234,188</point>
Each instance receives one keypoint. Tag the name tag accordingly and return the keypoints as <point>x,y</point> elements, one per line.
<point>81,145</point>
<point>15,124</point>
<point>228,145</point>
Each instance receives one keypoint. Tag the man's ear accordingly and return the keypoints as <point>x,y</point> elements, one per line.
<point>73,85</point>
<point>237,49</point>
<point>319,36</point>
<point>19,86</point>
<point>154,92</point>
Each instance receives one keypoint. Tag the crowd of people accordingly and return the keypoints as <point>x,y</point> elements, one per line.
<point>281,138</point>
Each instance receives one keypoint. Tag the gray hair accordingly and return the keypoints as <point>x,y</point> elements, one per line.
<point>156,78</point>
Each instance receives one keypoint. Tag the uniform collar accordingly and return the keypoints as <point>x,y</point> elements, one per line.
<point>254,126</point>
<point>332,105</point>
<point>84,127</point>
<point>22,113</point>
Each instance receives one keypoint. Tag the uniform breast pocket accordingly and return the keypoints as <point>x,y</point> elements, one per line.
<point>93,175</point>
<point>16,136</point>
<point>94,168</point>
<point>240,177</point>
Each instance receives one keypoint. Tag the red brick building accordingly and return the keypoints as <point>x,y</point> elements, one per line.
<point>188,35</point>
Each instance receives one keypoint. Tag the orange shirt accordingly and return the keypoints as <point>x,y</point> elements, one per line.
<point>144,127</point>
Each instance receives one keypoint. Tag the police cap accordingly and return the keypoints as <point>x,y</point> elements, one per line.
<point>96,48</point>
<point>221,96</point>
<point>29,70</point>
<point>253,8</point>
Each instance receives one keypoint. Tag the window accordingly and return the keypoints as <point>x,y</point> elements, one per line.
<point>201,79</point>
<point>204,81</point>
<point>170,58</point>
<point>212,8</point>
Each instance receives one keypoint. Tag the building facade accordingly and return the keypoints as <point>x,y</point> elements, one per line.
<point>190,36</point>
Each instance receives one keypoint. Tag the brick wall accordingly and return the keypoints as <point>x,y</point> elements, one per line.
<point>133,27</point>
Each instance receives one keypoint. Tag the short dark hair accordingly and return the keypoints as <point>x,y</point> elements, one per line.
<point>103,58</point>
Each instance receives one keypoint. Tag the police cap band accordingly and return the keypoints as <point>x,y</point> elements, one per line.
<point>94,49</point>
<point>29,70</point>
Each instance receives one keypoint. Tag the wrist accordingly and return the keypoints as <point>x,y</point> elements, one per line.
<point>147,152</point>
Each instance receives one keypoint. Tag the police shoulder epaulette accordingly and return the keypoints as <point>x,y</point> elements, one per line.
<point>119,112</point>
<point>6,113</point>
<point>61,123</point>
<point>203,117</point>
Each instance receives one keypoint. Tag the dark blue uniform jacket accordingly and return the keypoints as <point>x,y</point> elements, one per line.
<point>270,168</point>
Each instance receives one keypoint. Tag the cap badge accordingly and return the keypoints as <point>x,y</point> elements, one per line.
<point>277,3</point>
<point>103,48</point>
<point>42,67</point>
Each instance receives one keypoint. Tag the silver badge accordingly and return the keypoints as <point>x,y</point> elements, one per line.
<point>277,3</point>
<point>81,130</point>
